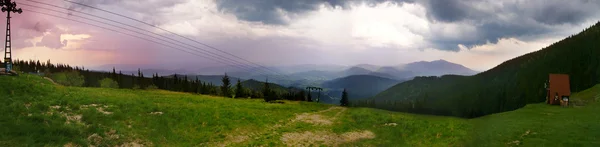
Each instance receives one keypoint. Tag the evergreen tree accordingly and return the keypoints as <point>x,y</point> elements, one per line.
<point>120,80</point>
<point>301,95</point>
<point>114,74</point>
<point>226,88</point>
<point>267,91</point>
<point>344,100</point>
<point>239,90</point>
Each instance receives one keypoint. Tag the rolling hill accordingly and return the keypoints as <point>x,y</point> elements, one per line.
<point>258,86</point>
<point>437,68</point>
<point>508,86</point>
<point>36,112</point>
<point>359,86</point>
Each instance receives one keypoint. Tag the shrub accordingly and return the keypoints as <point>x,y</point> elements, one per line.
<point>152,87</point>
<point>108,83</point>
<point>70,78</point>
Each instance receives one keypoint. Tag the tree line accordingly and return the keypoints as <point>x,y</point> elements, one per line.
<point>67,75</point>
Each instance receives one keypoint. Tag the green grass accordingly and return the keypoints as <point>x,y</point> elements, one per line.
<point>198,120</point>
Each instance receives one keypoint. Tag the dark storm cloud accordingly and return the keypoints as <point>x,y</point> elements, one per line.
<point>265,11</point>
<point>448,10</point>
<point>140,6</point>
<point>545,11</point>
<point>492,20</point>
<point>508,19</point>
<point>556,12</point>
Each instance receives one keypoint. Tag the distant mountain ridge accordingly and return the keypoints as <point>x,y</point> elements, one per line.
<point>437,68</point>
<point>359,86</point>
<point>314,75</point>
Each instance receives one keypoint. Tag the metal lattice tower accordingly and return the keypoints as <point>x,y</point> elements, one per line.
<point>8,6</point>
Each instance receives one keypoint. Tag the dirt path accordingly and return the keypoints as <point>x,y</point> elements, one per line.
<point>306,138</point>
<point>51,80</point>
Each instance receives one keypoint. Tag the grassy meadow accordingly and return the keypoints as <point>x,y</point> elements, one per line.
<point>36,112</point>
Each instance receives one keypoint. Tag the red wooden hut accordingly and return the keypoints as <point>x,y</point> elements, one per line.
<point>559,89</point>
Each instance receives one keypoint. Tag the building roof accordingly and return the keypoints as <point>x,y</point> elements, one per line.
<point>559,83</point>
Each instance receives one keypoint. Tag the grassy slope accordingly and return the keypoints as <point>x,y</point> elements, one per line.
<point>191,120</point>
<point>547,125</point>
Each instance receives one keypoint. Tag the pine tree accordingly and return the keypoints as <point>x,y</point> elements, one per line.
<point>344,101</point>
<point>301,96</point>
<point>114,74</point>
<point>225,89</point>
<point>267,91</point>
<point>239,90</point>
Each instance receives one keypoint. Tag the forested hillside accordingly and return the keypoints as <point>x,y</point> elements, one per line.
<point>508,86</point>
<point>258,86</point>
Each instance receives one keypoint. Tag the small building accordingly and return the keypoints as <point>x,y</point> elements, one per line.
<point>559,89</point>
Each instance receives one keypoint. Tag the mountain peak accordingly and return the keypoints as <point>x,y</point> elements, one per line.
<point>441,60</point>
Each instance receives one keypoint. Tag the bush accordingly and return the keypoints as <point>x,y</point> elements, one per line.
<point>70,78</point>
<point>152,87</point>
<point>108,83</point>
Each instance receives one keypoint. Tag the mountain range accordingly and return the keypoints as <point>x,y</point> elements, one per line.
<point>358,86</point>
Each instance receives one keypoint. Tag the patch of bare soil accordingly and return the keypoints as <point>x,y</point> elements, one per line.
<point>70,144</point>
<point>156,113</point>
<point>518,142</point>
<point>99,108</point>
<point>324,138</point>
<point>315,119</point>
<point>132,144</point>
<point>136,143</point>
<point>391,124</point>
<point>94,139</point>
<point>71,117</point>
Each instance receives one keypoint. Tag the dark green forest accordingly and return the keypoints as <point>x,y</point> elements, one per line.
<point>508,86</point>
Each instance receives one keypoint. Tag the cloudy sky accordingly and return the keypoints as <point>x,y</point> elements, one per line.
<point>479,34</point>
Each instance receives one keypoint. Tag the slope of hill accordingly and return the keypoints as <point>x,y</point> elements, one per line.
<point>359,86</point>
<point>394,73</point>
<point>38,113</point>
<point>258,86</point>
<point>508,86</point>
<point>437,68</point>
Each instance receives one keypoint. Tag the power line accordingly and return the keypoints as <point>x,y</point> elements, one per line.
<point>260,66</point>
<point>117,32</point>
<point>88,6</point>
<point>221,57</point>
<point>236,63</point>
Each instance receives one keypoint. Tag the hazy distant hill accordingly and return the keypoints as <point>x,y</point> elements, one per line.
<point>437,68</point>
<point>359,86</point>
<point>506,87</point>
